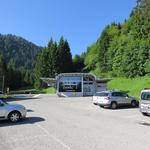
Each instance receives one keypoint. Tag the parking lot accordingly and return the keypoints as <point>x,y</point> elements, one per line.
<point>55,123</point>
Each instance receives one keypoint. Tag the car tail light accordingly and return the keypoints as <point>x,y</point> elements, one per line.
<point>107,98</point>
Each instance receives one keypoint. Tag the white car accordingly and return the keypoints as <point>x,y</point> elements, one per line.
<point>12,112</point>
<point>113,99</point>
<point>145,102</point>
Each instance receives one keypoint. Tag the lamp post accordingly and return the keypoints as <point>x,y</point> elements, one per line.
<point>3,84</point>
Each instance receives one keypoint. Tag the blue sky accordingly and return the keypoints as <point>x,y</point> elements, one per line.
<point>79,21</point>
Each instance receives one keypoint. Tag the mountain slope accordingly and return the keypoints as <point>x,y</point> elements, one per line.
<point>18,52</point>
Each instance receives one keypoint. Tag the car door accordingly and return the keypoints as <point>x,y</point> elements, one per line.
<point>117,96</point>
<point>125,98</point>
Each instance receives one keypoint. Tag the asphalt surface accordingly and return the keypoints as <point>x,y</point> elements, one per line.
<point>54,123</point>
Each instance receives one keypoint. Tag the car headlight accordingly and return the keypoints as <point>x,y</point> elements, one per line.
<point>142,106</point>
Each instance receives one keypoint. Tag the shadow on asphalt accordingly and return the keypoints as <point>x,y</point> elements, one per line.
<point>144,123</point>
<point>28,120</point>
<point>122,108</point>
<point>30,110</point>
<point>21,98</point>
<point>127,107</point>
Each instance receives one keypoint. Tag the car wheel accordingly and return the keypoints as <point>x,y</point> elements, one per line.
<point>14,116</point>
<point>113,105</point>
<point>133,103</point>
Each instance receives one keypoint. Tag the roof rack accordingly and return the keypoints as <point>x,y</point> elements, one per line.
<point>119,90</point>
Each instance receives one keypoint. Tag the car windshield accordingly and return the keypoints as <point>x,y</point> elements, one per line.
<point>2,101</point>
<point>101,94</point>
<point>145,96</point>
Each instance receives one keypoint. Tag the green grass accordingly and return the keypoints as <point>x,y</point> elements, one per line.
<point>49,90</point>
<point>134,86</point>
<point>25,90</point>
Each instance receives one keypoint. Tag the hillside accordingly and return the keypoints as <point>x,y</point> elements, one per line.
<point>18,52</point>
<point>133,86</point>
<point>123,49</point>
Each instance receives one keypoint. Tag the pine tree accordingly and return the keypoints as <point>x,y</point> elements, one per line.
<point>103,48</point>
<point>65,57</point>
<point>78,63</point>
<point>55,60</point>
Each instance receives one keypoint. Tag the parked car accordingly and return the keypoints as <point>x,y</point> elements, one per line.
<point>113,99</point>
<point>12,112</point>
<point>145,102</point>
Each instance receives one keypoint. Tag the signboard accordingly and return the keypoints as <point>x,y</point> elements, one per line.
<point>70,84</point>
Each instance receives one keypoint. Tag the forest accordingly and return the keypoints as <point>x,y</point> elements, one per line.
<point>17,61</point>
<point>123,50</point>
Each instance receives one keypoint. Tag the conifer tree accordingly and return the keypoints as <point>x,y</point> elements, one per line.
<point>65,57</point>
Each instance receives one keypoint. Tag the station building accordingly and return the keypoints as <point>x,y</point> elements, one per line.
<point>76,84</point>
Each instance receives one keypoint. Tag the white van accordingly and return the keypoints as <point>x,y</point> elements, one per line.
<point>145,102</point>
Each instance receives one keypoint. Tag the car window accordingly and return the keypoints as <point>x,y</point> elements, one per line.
<point>101,94</point>
<point>119,94</point>
<point>3,102</point>
<point>145,96</point>
<point>123,94</point>
<point>116,94</point>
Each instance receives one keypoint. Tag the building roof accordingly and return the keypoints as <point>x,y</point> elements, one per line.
<point>54,80</point>
<point>75,74</point>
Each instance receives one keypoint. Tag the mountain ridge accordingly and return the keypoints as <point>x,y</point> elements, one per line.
<point>18,52</point>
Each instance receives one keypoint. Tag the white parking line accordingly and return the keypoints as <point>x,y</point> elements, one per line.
<point>132,116</point>
<point>15,140</point>
<point>53,137</point>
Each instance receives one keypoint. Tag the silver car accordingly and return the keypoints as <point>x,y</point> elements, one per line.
<point>145,102</point>
<point>113,99</point>
<point>13,112</point>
